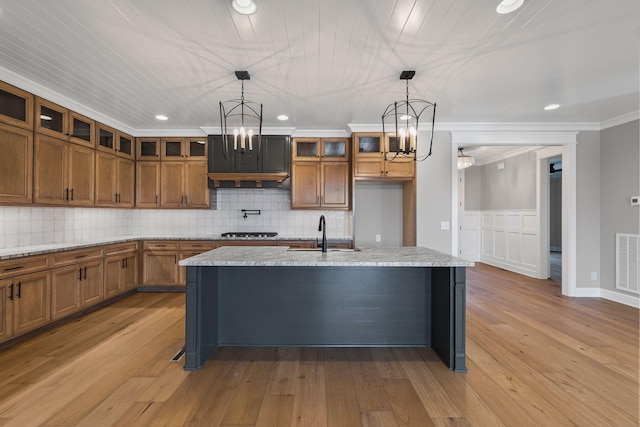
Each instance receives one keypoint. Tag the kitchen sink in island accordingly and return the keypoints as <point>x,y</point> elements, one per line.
<point>271,296</point>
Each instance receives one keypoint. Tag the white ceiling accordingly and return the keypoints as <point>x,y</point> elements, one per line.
<point>328,63</point>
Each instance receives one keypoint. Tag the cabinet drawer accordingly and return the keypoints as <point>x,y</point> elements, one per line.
<point>197,245</point>
<point>78,255</point>
<point>161,245</point>
<point>121,248</point>
<point>23,265</point>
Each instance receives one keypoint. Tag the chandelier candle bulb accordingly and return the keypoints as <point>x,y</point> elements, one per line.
<point>242,135</point>
<point>402,136</point>
<point>235,139</point>
<point>250,136</point>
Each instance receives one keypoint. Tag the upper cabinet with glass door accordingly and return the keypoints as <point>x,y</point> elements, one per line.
<point>16,106</point>
<point>315,149</point>
<point>81,129</point>
<point>183,148</point>
<point>105,138</point>
<point>125,145</point>
<point>51,119</point>
<point>148,149</point>
<point>369,144</point>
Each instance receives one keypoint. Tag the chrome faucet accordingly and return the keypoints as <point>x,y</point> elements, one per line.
<point>323,227</point>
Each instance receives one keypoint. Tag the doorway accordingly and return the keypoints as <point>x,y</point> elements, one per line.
<point>555,219</point>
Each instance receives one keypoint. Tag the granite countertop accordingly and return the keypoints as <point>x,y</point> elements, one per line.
<point>8,253</point>
<point>280,256</point>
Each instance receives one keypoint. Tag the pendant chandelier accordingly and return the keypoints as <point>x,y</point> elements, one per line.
<point>243,120</point>
<point>402,119</point>
<point>464,161</point>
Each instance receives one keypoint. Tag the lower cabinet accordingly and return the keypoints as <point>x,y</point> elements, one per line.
<point>160,263</point>
<point>26,303</point>
<point>120,269</point>
<point>76,286</point>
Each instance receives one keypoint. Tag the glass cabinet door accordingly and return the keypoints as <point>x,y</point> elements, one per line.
<point>16,106</point>
<point>368,145</point>
<point>81,129</point>
<point>196,148</point>
<point>105,138</point>
<point>335,149</point>
<point>125,145</point>
<point>51,119</point>
<point>306,149</point>
<point>148,148</point>
<point>171,149</point>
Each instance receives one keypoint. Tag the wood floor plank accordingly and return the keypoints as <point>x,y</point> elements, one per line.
<point>111,409</point>
<point>387,363</point>
<point>139,414</point>
<point>276,411</point>
<point>247,396</point>
<point>379,419</point>
<point>310,404</point>
<point>285,371</point>
<point>406,405</point>
<point>341,398</point>
<point>369,390</point>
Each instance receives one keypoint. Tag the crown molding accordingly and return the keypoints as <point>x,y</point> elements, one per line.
<point>518,126</point>
<point>515,138</point>
<point>43,92</point>
<point>620,120</point>
<point>510,153</point>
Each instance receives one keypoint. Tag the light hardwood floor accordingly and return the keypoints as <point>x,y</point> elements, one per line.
<point>535,358</point>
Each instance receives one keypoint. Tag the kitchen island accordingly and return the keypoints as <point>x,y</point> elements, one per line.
<point>276,296</point>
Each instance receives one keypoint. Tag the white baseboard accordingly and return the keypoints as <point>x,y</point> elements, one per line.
<point>625,299</point>
<point>587,293</point>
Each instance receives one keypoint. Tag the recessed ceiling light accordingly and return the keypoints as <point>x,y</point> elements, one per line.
<point>245,7</point>
<point>283,117</point>
<point>552,107</point>
<point>508,6</point>
<point>162,117</point>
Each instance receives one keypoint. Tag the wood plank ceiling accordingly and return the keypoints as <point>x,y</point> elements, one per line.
<point>328,63</point>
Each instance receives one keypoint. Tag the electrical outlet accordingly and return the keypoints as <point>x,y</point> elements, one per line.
<point>378,238</point>
<point>594,275</point>
<point>444,225</point>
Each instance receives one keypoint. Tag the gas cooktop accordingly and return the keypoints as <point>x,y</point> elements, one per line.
<point>249,234</point>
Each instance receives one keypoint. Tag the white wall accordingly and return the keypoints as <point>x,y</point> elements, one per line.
<point>619,180</point>
<point>434,194</point>
<point>378,210</point>
<point>588,209</point>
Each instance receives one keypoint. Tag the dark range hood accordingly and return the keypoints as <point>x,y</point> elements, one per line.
<point>270,167</point>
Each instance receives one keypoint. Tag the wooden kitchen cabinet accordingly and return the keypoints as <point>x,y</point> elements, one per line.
<point>314,149</point>
<point>184,185</point>
<point>114,181</point>
<point>148,149</point>
<point>375,157</point>
<point>76,286</point>
<point>125,145</point>
<point>81,130</point>
<point>16,107</point>
<point>322,185</point>
<point>63,172</point>
<point>183,149</point>
<point>27,305</point>
<point>105,138</point>
<point>121,268</point>
<point>189,248</point>
<point>51,119</point>
<point>160,263</point>
<point>147,184</point>
<point>16,163</point>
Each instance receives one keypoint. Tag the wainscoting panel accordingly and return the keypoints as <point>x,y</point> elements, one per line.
<point>510,240</point>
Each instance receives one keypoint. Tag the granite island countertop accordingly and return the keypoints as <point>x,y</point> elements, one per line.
<point>281,256</point>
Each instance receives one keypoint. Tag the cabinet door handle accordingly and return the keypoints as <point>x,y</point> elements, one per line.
<point>14,268</point>
<point>80,274</point>
<point>11,292</point>
<point>84,273</point>
<point>122,263</point>
<point>186,200</point>
<point>156,199</point>
<point>19,289</point>
<point>66,194</point>
<point>72,194</point>
<point>175,259</point>
<point>126,263</point>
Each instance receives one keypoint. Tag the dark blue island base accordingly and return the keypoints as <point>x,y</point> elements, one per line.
<point>325,306</point>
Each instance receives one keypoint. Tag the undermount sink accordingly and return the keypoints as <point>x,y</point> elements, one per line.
<point>320,249</point>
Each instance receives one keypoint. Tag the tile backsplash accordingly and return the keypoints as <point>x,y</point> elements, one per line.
<point>26,226</point>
